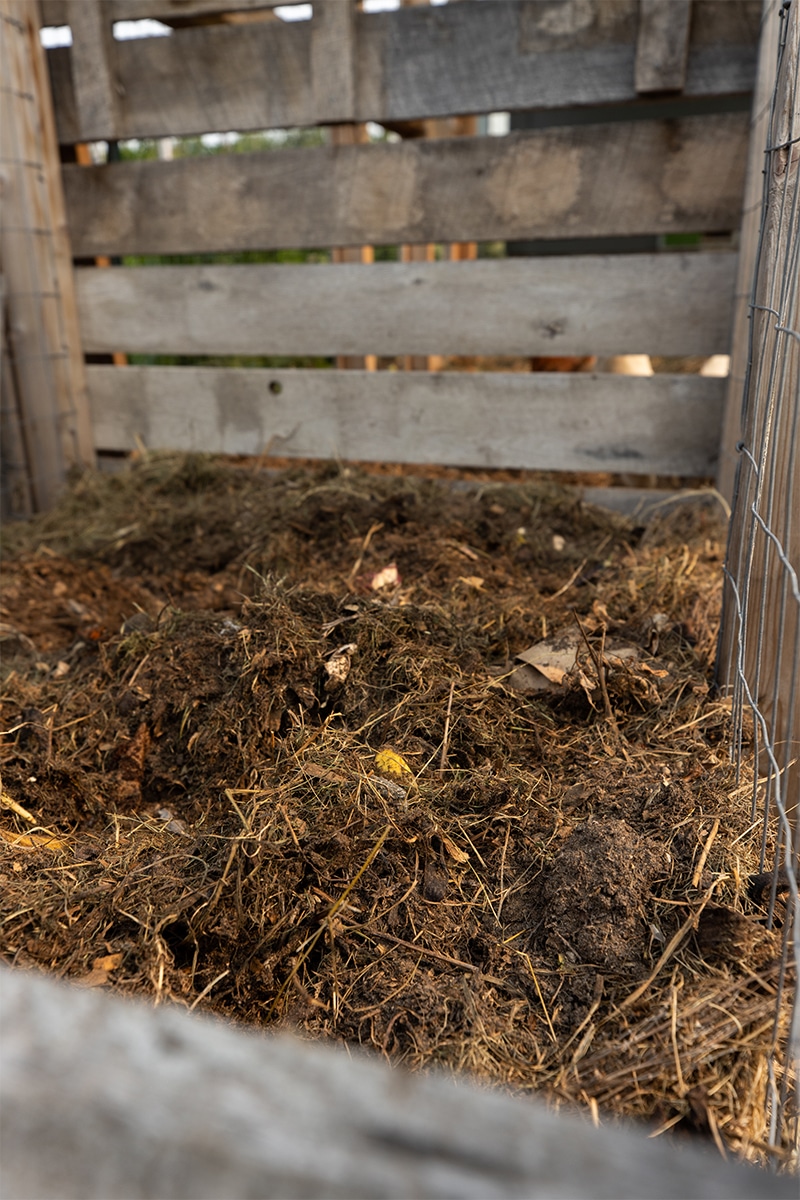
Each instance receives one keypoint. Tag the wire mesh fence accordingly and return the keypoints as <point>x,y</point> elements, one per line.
<point>759,658</point>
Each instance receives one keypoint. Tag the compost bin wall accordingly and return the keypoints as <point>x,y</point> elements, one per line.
<point>645,174</point>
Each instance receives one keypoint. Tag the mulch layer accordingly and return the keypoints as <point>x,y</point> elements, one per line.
<point>269,751</point>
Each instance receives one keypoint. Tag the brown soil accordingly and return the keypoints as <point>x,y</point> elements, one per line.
<point>201,680</point>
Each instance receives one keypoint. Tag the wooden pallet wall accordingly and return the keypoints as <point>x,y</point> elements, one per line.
<point>617,177</point>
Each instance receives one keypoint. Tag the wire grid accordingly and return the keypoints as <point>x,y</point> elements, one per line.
<point>760,634</point>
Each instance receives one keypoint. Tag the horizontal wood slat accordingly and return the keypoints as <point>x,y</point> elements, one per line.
<point>54,12</point>
<point>413,63</point>
<point>594,181</point>
<point>665,424</point>
<point>626,304</point>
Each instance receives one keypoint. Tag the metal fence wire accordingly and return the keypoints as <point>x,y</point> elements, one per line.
<point>759,653</point>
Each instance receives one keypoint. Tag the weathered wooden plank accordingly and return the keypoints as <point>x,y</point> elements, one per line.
<point>655,303</point>
<point>666,424</point>
<point>352,135</point>
<point>43,340</point>
<point>16,500</point>
<point>55,12</point>
<point>751,221</point>
<point>97,92</point>
<point>74,420</point>
<point>662,46</point>
<point>599,180</point>
<point>24,264</point>
<point>416,62</point>
<point>213,1111</point>
<point>333,60</point>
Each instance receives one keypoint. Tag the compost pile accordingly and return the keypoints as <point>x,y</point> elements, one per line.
<point>269,750</point>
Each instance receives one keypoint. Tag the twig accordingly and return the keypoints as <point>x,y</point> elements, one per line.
<point>527,958</point>
<point>672,946</point>
<point>673,1028</point>
<point>701,862</point>
<point>373,529</point>
<point>446,738</point>
<point>503,871</point>
<point>567,585</point>
<point>380,936</point>
<point>599,984</point>
<point>599,666</point>
<point>8,802</point>
<point>207,989</point>
<point>326,921</point>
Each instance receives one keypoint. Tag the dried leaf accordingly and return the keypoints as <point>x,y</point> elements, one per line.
<point>338,666</point>
<point>553,658</point>
<point>388,577</point>
<point>522,679</point>
<point>32,841</point>
<point>101,969</point>
<point>455,852</point>
<point>315,771</point>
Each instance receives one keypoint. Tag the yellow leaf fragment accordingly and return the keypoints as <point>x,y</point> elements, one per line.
<point>389,762</point>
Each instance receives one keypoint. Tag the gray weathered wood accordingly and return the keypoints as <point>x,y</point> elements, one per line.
<point>16,500</point>
<point>103,1099</point>
<point>751,221</point>
<point>647,177</point>
<point>665,424</point>
<point>662,46</point>
<point>43,339</point>
<point>97,93</point>
<point>27,269</point>
<point>413,63</point>
<point>333,60</point>
<point>624,304</point>
<point>55,12</point>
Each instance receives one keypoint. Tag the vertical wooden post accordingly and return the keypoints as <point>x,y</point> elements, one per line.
<point>15,487</point>
<point>333,75</point>
<point>93,70</point>
<point>84,159</point>
<point>333,78</point>
<point>353,134</point>
<point>662,46</point>
<point>437,127</point>
<point>462,127</point>
<point>748,243</point>
<point>423,251</point>
<point>43,335</point>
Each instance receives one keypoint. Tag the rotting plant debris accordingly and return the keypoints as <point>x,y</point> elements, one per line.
<point>203,664</point>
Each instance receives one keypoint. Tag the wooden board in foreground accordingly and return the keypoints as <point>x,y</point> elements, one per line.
<point>132,1102</point>
<point>621,304</point>
<point>664,424</point>
<point>413,63</point>
<point>594,181</point>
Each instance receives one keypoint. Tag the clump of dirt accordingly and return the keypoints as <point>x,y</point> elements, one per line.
<point>594,899</point>
<point>268,751</point>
